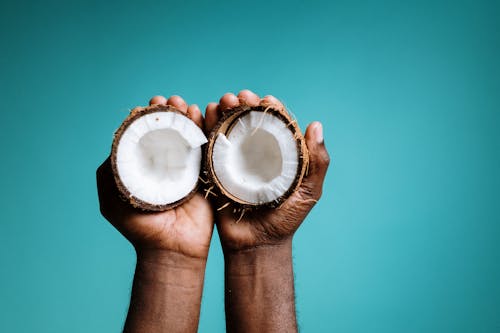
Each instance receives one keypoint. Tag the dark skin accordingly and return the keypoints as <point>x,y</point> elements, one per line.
<point>259,291</point>
<point>172,246</point>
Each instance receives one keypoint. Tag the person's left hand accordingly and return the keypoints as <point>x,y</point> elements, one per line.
<point>270,226</point>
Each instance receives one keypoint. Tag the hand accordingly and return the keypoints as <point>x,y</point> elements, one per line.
<point>271,226</point>
<point>186,229</point>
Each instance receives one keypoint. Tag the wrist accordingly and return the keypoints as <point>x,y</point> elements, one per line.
<point>261,259</point>
<point>166,293</point>
<point>170,267</point>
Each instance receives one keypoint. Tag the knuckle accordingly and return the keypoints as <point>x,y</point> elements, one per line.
<point>318,193</point>
<point>311,190</point>
<point>325,158</point>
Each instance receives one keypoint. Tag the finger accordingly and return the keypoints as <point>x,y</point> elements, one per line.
<point>158,100</point>
<point>228,101</point>
<point>136,109</point>
<point>318,161</point>
<point>194,113</point>
<point>178,102</point>
<point>273,101</point>
<point>248,97</point>
<point>211,116</point>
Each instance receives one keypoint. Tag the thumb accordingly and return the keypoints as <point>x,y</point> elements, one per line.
<point>319,160</point>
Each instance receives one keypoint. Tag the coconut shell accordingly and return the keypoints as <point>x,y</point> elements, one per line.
<point>124,192</point>
<point>224,125</point>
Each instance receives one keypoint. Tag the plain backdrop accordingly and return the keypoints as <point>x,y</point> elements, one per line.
<point>406,236</point>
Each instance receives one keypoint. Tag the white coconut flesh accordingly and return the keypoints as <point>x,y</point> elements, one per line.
<point>159,156</point>
<point>257,160</point>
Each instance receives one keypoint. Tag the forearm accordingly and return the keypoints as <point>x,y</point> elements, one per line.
<point>259,291</point>
<point>166,293</point>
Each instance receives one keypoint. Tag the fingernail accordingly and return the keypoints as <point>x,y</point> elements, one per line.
<point>319,133</point>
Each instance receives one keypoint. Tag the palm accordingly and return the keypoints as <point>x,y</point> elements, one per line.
<point>185,229</point>
<point>263,226</point>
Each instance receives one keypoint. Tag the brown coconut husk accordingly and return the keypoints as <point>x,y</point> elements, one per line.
<point>124,192</point>
<point>227,121</point>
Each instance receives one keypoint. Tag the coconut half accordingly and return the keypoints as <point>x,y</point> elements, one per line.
<point>156,157</point>
<point>256,156</point>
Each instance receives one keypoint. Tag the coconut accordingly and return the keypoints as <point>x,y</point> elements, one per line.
<point>255,157</point>
<point>156,157</point>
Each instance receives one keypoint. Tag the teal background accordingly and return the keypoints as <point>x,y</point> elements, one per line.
<point>406,237</point>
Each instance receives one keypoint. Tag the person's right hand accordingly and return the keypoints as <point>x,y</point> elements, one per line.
<point>186,229</point>
<point>270,226</point>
